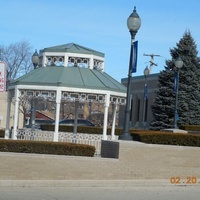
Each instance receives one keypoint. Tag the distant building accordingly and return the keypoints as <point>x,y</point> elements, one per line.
<point>3,112</point>
<point>140,117</point>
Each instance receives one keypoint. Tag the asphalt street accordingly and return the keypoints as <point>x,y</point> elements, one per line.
<point>100,193</point>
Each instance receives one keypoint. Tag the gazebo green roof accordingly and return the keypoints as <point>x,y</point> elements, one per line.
<point>72,48</point>
<point>74,77</point>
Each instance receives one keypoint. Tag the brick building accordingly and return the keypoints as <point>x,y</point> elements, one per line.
<point>141,114</point>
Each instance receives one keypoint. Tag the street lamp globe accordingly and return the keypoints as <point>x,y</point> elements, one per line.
<point>179,63</point>
<point>35,59</point>
<point>133,23</point>
<point>146,71</point>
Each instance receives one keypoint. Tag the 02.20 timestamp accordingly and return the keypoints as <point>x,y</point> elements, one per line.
<point>189,180</point>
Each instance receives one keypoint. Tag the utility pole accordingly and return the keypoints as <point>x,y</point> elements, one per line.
<point>151,61</point>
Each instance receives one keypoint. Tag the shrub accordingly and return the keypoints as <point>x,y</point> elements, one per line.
<point>157,137</point>
<point>190,127</point>
<point>41,147</point>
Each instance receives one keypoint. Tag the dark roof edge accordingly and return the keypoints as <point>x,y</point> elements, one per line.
<point>141,77</point>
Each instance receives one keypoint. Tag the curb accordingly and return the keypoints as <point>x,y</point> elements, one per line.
<point>88,183</point>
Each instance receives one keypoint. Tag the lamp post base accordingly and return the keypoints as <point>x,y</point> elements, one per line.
<point>125,136</point>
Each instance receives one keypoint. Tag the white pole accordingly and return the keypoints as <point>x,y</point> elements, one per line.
<point>114,121</point>
<point>7,131</point>
<point>107,96</point>
<point>14,134</point>
<point>58,100</point>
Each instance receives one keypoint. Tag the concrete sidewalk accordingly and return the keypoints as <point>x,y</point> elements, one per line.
<point>137,161</point>
<point>99,193</point>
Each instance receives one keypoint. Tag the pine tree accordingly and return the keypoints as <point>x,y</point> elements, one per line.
<point>189,87</point>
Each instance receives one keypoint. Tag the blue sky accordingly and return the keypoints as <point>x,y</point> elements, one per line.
<point>101,25</point>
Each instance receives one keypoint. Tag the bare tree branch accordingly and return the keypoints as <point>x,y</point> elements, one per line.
<point>17,57</point>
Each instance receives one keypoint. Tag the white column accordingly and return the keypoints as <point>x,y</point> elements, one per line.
<point>113,121</point>
<point>58,99</point>
<point>7,131</point>
<point>103,65</point>
<point>14,133</point>
<point>105,121</point>
<point>66,60</point>
<point>91,62</point>
<point>44,60</point>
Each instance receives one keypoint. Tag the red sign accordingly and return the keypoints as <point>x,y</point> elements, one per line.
<point>2,77</point>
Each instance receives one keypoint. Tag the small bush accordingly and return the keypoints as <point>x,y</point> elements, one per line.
<point>190,127</point>
<point>40,147</point>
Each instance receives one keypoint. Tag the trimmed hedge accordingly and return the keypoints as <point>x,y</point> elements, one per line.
<point>80,129</point>
<point>190,127</point>
<point>41,147</point>
<point>166,138</point>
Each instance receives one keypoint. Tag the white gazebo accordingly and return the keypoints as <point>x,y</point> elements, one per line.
<point>68,72</point>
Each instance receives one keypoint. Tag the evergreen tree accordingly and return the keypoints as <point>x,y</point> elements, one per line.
<point>188,91</point>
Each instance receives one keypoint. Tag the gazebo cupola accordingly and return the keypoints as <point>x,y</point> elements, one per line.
<point>71,55</point>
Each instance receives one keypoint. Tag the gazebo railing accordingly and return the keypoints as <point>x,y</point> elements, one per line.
<point>79,138</point>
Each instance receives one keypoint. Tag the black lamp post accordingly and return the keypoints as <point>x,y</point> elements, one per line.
<point>146,73</point>
<point>133,23</point>
<point>178,64</point>
<point>35,61</point>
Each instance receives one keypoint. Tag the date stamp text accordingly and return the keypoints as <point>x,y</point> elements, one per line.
<point>189,180</point>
